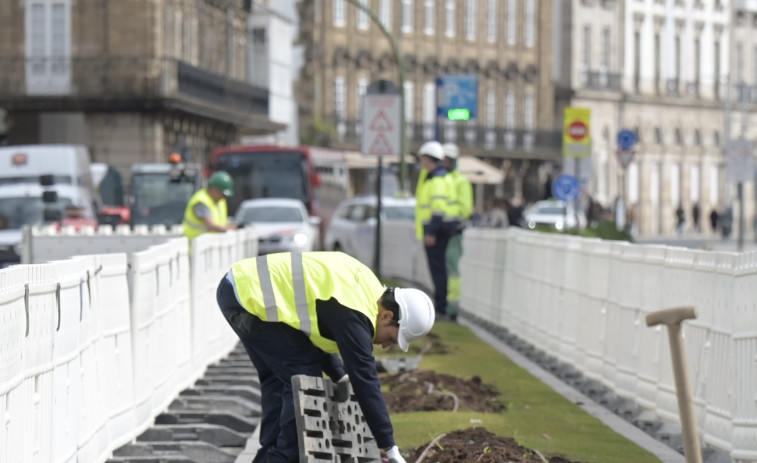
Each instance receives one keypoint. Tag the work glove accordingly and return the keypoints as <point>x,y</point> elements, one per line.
<point>394,456</point>
<point>342,389</point>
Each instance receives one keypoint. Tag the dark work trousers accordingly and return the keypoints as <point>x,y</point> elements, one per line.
<point>437,265</point>
<point>278,352</point>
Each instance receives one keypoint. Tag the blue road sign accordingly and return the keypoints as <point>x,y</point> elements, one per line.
<point>626,139</point>
<point>566,188</point>
<point>457,92</point>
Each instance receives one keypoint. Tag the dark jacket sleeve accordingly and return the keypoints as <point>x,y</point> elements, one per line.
<point>353,334</point>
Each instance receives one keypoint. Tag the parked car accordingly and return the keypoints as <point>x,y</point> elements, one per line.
<point>283,224</point>
<point>554,214</point>
<point>353,224</point>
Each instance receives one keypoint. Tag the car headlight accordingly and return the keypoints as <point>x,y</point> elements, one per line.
<point>559,225</point>
<point>300,239</point>
<point>531,224</point>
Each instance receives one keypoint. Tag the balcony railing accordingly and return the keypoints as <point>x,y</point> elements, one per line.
<point>601,80</point>
<point>114,81</point>
<point>541,143</point>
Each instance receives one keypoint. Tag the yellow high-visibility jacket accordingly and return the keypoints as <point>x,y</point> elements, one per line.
<point>195,226</point>
<point>283,287</point>
<point>463,194</point>
<point>432,203</point>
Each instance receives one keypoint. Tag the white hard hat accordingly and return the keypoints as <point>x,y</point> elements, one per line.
<point>416,315</point>
<point>433,149</point>
<point>451,150</point>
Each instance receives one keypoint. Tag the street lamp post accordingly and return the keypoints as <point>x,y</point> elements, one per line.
<point>401,71</point>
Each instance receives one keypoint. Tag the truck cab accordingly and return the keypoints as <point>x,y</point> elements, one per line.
<point>159,192</point>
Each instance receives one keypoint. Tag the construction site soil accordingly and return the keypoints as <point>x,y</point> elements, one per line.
<point>426,390</point>
<point>477,445</point>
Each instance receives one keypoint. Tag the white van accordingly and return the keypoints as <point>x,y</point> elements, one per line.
<point>26,173</point>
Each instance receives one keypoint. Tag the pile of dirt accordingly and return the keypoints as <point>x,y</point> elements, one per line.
<point>477,445</point>
<point>426,390</point>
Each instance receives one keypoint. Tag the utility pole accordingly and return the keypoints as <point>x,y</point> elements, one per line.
<point>401,84</point>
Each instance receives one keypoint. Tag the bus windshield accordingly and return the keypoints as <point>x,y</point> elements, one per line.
<point>266,174</point>
<point>159,200</point>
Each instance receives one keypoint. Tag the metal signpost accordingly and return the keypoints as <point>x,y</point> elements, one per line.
<point>381,135</point>
<point>739,168</point>
<point>626,151</point>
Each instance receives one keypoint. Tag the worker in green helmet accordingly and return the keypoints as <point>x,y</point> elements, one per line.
<point>206,210</point>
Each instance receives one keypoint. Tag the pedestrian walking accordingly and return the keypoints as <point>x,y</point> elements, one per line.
<point>680,219</point>
<point>714,220</point>
<point>294,312</point>
<point>695,212</point>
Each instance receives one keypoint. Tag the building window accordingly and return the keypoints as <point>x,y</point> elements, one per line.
<point>529,34</point>
<point>48,38</point>
<point>491,20</point>
<point>339,98</point>
<point>512,22</point>
<point>317,11</point>
<point>258,67</point>
<point>362,85</point>
<point>430,26</point>
<point>606,49</point>
<point>716,138</point>
<point>491,108</point>
<point>407,16</point>
<point>694,184</point>
<point>528,112</point>
<point>510,110</point>
<point>385,14</point>
<point>362,16</point>
<point>429,109</point>
<point>677,52</point>
<point>657,63</point>
<point>409,102</point>
<point>714,186</point>
<point>449,18</point>
<point>675,184</point>
<point>586,61</point>
<point>697,59</point>
<point>636,60</point>
<point>716,69</point>
<point>697,138</point>
<point>678,136</point>
<point>338,13</point>
<point>470,19</point>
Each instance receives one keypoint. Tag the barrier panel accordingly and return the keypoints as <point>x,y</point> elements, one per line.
<point>591,315</point>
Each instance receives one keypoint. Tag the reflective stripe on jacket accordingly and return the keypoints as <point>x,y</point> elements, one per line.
<point>195,226</point>
<point>283,288</point>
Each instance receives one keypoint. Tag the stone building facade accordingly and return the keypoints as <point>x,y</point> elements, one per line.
<point>660,69</point>
<point>132,80</point>
<point>505,44</point>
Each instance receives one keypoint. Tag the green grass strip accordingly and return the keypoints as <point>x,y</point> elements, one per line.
<point>537,417</point>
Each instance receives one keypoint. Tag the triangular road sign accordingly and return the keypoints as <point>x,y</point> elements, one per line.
<point>626,157</point>
<point>381,122</point>
<point>381,145</point>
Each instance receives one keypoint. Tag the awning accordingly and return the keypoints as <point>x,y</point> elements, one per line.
<point>479,172</point>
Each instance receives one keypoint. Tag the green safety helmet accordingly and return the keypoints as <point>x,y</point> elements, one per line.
<point>222,182</point>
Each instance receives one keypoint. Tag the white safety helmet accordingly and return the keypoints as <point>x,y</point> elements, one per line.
<point>433,149</point>
<point>451,150</point>
<point>416,315</point>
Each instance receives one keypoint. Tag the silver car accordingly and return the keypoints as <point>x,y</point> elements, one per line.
<point>353,225</point>
<point>554,214</point>
<point>282,224</point>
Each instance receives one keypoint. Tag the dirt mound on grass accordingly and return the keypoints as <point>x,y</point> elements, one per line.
<point>477,445</point>
<point>426,390</point>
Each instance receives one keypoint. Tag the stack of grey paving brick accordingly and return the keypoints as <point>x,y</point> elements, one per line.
<point>330,424</point>
<point>208,423</point>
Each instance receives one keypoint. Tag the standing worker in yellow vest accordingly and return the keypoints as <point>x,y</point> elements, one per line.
<point>294,311</point>
<point>206,210</point>
<point>463,207</point>
<point>433,212</point>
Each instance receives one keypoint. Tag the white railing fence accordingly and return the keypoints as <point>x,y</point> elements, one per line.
<point>584,301</point>
<point>92,348</point>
